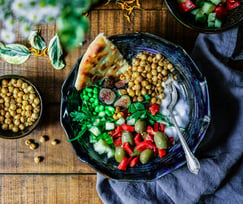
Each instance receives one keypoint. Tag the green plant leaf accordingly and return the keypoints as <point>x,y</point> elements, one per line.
<point>55,53</point>
<point>36,41</point>
<point>14,53</point>
<point>134,107</point>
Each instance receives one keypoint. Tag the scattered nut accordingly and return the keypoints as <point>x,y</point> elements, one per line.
<point>28,142</point>
<point>44,138</point>
<point>33,146</point>
<point>38,159</point>
<point>55,142</point>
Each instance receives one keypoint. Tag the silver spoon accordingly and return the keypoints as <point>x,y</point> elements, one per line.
<point>192,162</point>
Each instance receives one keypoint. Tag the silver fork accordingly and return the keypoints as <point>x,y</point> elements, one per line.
<point>192,162</point>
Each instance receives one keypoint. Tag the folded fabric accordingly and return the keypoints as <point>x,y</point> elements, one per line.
<point>220,179</point>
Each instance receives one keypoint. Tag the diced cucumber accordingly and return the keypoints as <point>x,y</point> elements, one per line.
<point>211,17</point>
<point>120,121</point>
<point>195,11</point>
<point>216,2</point>
<point>131,121</point>
<point>218,23</point>
<point>97,122</point>
<point>102,147</point>
<point>200,17</point>
<point>207,7</point>
<point>92,138</point>
<point>211,24</point>
<point>109,126</point>
<point>95,130</point>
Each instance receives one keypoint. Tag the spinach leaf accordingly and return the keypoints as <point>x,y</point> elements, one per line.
<point>55,53</point>
<point>139,114</point>
<point>14,53</point>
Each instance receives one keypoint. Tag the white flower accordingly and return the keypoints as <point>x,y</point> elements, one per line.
<point>50,13</point>
<point>24,29</point>
<point>7,36</point>
<point>19,8</point>
<point>33,15</point>
<point>9,23</point>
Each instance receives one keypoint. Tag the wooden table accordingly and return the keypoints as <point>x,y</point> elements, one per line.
<point>61,177</point>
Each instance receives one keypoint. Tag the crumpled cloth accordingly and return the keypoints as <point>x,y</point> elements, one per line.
<point>220,180</point>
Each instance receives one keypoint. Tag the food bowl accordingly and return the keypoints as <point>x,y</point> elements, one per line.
<point>20,106</point>
<point>192,87</point>
<point>233,18</point>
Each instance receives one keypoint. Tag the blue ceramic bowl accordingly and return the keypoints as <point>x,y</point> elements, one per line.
<point>234,18</point>
<point>193,88</point>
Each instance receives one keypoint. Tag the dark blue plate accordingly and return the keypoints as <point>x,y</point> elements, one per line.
<point>233,18</point>
<point>193,88</point>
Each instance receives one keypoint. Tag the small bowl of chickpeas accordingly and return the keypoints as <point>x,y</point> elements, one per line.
<point>20,106</point>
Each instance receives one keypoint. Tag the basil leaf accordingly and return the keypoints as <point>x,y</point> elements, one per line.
<point>55,53</point>
<point>36,41</point>
<point>160,118</point>
<point>14,53</point>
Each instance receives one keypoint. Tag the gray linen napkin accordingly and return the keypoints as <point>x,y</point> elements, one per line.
<point>220,179</point>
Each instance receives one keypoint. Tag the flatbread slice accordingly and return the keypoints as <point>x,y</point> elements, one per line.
<point>102,59</point>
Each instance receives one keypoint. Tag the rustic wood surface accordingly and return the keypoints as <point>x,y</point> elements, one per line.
<point>62,177</point>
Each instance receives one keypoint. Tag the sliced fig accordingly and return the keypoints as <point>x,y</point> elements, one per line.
<point>107,96</point>
<point>121,84</point>
<point>123,102</point>
<point>108,82</point>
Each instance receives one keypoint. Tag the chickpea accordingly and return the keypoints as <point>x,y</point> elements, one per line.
<point>30,89</point>
<point>148,87</point>
<point>143,63</point>
<point>154,72</point>
<point>135,75</point>
<point>5,83</point>
<point>175,77</point>
<point>161,63</point>
<point>34,116</point>
<point>144,83</point>
<point>143,91</point>
<point>158,101</point>
<point>120,115</point>
<point>165,78</point>
<point>140,99</point>
<point>32,96</point>
<point>159,56</point>
<point>149,75</point>
<point>122,77</point>
<point>12,113</point>
<point>169,66</point>
<point>135,61</point>
<point>153,100</point>
<point>55,142</point>
<point>160,76</point>
<point>15,91</point>
<point>36,101</point>
<point>150,59</point>
<point>131,93</point>
<point>12,107</point>
<point>161,96</point>
<point>148,68</point>
<point>1,100</point>
<point>140,69</point>
<point>134,99</point>
<point>131,83</point>
<point>135,68</point>
<point>19,82</point>
<point>164,72</point>
<point>33,146</point>
<point>155,79</point>
<point>13,82</point>
<point>137,87</point>
<point>123,91</point>
<point>21,127</point>
<point>4,90</point>
<point>4,126</point>
<point>16,122</point>
<point>10,89</point>
<point>15,129</point>
<point>37,159</point>
<point>154,66</point>
<point>159,69</point>
<point>1,119</point>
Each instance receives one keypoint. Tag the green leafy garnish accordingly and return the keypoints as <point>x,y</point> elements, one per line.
<point>14,53</point>
<point>134,107</point>
<point>36,41</point>
<point>55,53</point>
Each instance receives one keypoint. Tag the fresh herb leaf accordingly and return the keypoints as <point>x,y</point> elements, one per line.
<point>78,116</point>
<point>134,107</point>
<point>80,134</point>
<point>160,118</point>
<point>14,53</point>
<point>36,41</point>
<point>55,53</point>
<point>139,114</point>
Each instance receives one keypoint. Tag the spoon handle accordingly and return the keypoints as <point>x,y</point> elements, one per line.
<point>192,162</point>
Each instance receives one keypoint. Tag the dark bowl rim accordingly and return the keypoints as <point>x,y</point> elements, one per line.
<point>199,139</point>
<point>197,28</point>
<point>9,76</point>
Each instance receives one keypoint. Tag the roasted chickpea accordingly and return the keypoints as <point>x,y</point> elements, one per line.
<point>153,100</point>
<point>149,75</point>
<point>154,66</point>
<point>143,91</point>
<point>140,99</point>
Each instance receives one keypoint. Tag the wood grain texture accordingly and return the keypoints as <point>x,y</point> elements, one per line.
<point>62,177</point>
<point>41,189</point>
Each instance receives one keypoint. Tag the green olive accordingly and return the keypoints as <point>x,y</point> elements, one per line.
<point>160,140</point>
<point>140,125</point>
<point>144,134</point>
<point>146,156</point>
<point>127,137</point>
<point>119,154</point>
